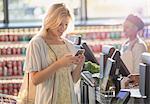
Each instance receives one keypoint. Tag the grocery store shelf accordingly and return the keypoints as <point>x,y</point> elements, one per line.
<point>3,81</point>
<point>11,81</point>
<point>10,77</point>
<point>106,41</point>
<point>12,57</point>
<point>94,30</point>
<point>13,44</point>
<point>8,96</point>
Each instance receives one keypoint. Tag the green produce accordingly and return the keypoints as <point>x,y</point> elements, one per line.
<point>91,67</point>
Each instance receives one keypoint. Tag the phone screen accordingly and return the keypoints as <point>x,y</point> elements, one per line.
<point>79,52</point>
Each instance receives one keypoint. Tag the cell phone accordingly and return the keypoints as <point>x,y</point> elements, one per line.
<point>80,52</point>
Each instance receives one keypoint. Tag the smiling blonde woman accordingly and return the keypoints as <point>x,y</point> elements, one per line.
<point>51,62</point>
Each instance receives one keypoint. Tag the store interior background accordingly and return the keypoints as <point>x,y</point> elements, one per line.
<point>98,22</point>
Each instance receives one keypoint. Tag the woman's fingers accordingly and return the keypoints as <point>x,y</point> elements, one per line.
<point>68,59</point>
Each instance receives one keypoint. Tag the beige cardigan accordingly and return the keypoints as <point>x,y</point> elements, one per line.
<point>37,58</point>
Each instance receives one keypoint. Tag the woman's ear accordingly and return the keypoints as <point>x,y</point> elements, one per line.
<point>140,32</point>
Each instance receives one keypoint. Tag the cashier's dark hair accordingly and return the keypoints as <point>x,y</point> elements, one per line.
<point>136,21</point>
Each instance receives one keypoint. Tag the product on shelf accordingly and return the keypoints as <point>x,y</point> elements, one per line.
<point>13,44</point>
<point>10,88</point>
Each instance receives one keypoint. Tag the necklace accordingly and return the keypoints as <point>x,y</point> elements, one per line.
<point>53,51</point>
<point>67,48</point>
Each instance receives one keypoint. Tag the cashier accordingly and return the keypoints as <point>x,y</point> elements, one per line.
<point>133,47</point>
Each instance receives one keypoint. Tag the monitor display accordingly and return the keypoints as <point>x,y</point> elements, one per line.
<point>107,52</point>
<point>121,98</point>
<point>113,69</point>
<point>144,71</point>
<point>119,64</point>
<point>110,64</point>
<point>89,56</point>
<point>144,83</point>
<point>122,94</point>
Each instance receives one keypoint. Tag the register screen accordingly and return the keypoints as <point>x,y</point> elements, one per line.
<point>121,94</point>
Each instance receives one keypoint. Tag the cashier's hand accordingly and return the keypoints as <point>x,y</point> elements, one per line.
<point>132,81</point>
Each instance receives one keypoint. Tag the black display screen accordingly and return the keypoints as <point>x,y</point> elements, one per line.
<point>89,56</point>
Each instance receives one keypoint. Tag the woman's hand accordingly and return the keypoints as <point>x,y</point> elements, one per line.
<point>76,73</point>
<point>67,59</point>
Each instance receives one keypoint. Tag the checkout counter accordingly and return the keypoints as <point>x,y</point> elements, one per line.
<point>91,94</point>
<point>88,88</point>
<point>112,67</point>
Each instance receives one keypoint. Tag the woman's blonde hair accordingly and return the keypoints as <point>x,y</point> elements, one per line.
<point>54,16</point>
